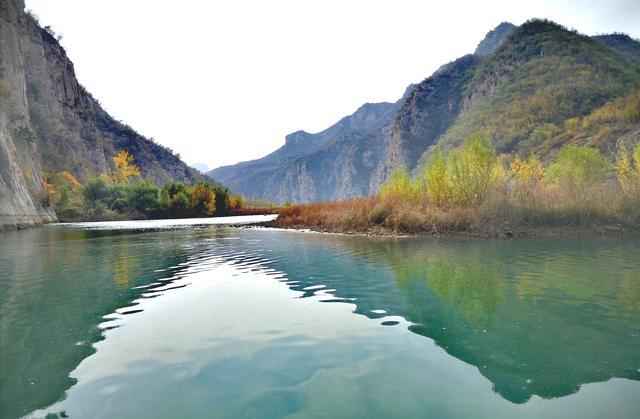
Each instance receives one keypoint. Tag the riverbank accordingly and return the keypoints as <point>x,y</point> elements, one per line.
<point>376,216</point>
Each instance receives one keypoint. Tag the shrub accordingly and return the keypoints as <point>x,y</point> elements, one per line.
<point>464,176</point>
<point>143,196</point>
<point>576,168</point>
<point>401,186</point>
<point>236,202</point>
<point>96,190</point>
<point>628,171</point>
<point>527,176</point>
<point>46,196</point>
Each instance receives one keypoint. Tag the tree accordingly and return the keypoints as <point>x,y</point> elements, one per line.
<point>472,167</point>
<point>221,205</point>
<point>175,199</point>
<point>437,181</point>
<point>125,169</point>
<point>203,200</point>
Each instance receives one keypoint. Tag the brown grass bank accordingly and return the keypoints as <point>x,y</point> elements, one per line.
<point>471,190</point>
<point>392,215</point>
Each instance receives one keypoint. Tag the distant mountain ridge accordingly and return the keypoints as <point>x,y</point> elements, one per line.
<point>344,153</point>
<point>523,88</point>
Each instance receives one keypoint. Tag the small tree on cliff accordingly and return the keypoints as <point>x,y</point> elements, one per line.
<point>125,169</point>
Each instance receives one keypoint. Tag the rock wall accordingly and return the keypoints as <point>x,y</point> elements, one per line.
<point>20,172</point>
<point>50,123</point>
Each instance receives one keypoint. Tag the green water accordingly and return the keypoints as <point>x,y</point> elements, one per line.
<point>214,321</point>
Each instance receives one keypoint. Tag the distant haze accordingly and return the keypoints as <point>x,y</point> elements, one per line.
<point>221,82</point>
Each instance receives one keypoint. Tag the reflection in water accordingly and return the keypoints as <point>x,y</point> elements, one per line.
<point>56,287</point>
<point>535,317</point>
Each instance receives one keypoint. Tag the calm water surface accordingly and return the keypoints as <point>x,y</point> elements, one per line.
<point>175,319</point>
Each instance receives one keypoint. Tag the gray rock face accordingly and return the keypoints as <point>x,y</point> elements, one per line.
<point>20,173</point>
<point>50,123</point>
<point>428,112</point>
<point>337,163</point>
<point>494,38</point>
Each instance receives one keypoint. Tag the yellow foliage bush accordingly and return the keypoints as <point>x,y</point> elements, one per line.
<point>401,186</point>
<point>527,175</point>
<point>576,168</point>
<point>464,176</point>
<point>628,171</point>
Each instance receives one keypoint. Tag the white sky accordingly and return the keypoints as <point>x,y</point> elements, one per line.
<point>224,81</point>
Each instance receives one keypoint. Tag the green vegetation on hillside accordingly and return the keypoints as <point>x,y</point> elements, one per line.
<point>543,79</point>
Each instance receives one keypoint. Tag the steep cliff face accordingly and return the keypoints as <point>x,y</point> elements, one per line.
<point>434,106</point>
<point>20,172</point>
<point>425,116</point>
<point>50,123</point>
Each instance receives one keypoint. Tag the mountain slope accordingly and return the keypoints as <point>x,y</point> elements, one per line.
<point>530,89</point>
<point>623,45</point>
<point>50,123</point>
<point>354,156</point>
<point>426,115</point>
<point>543,75</point>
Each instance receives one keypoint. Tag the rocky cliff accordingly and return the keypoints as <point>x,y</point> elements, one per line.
<point>20,170</point>
<point>530,89</point>
<point>336,163</point>
<point>50,123</point>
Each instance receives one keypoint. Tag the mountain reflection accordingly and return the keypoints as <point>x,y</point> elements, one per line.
<point>536,316</point>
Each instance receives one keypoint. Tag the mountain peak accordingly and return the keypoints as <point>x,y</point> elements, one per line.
<point>494,38</point>
<point>297,137</point>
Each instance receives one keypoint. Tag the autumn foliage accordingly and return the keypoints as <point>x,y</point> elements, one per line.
<point>124,167</point>
<point>472,189</point>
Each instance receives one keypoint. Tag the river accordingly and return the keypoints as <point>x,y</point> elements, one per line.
<point>194,319</point>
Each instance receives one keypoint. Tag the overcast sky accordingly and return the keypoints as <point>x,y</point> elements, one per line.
<point>224,81</point>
